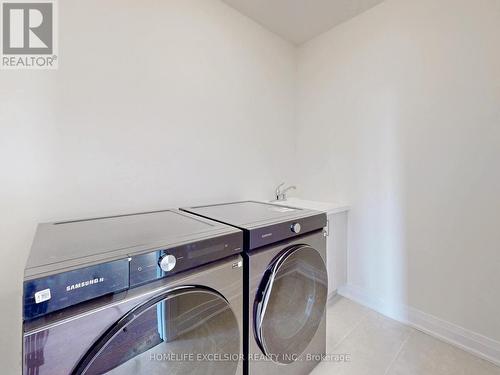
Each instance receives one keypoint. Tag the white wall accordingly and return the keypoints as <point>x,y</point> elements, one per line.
<point>155,104</point>
<point>159,104</point>
<point>398,114</point>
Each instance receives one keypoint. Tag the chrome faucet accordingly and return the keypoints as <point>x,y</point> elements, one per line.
<point>281,193</point>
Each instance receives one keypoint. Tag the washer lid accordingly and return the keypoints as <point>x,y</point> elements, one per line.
<point>70,244</point>
<point>265,223</point>
<point>248,214</point>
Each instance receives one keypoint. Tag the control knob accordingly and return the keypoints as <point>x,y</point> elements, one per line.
<point>295,228</point>
<point>167,262</point>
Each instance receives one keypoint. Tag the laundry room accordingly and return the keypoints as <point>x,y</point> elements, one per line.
<point>244,187</point>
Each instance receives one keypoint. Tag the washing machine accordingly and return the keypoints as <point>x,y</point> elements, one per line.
<point>286,284</point>
<point>150,293</point>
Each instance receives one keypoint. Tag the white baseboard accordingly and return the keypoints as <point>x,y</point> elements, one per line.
<point>332,295</point>
<point>472,342</point>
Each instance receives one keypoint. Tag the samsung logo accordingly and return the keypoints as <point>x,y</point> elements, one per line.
<point>266,235</point>
<point>83,284</point>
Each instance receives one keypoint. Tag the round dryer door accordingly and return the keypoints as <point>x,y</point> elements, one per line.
<point>290,303</point>
<point>187,330</point>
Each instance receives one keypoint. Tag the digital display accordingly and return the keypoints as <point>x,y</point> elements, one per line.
<point>194,253</point>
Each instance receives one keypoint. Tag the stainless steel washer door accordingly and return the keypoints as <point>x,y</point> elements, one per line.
<point>290,303</point>
<point>186,330</point>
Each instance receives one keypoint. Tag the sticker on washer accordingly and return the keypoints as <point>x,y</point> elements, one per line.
<point>42,296</point>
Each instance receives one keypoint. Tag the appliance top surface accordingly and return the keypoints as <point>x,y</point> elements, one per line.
<point>250,214</point>
<point>72,243</point>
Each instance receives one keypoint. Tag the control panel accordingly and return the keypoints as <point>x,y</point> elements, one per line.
<point>47,294</point>
<point>272,233</point>
<point>55,292</point>
<point>165,262</point>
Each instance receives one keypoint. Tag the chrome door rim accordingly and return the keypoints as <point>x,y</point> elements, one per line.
<point>260,306</point>
<point>90,356</point>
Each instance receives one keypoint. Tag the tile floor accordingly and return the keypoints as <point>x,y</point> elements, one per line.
<point>380,346</point>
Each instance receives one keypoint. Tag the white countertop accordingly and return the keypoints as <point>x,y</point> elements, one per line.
<point>328,207</point>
